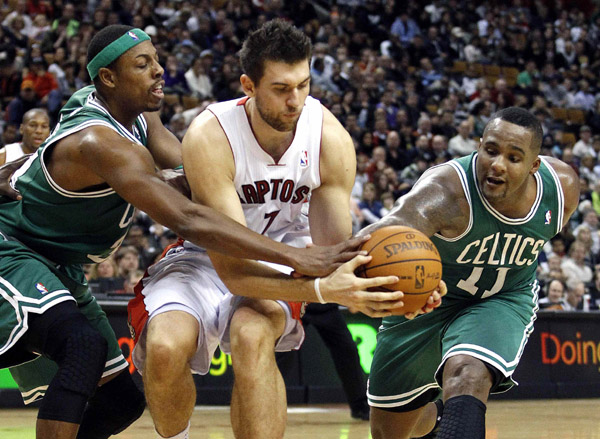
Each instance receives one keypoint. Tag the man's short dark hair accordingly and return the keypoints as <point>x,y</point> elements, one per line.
<point>525,119</point>
<point>104,38</point>
<point>276,40</point>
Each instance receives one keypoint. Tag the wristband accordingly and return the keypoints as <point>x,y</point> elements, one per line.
<point>318,290</point>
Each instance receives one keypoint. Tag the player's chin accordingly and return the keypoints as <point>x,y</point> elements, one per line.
<point>151,107</point>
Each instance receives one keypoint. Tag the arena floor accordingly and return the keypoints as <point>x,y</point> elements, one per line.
<point>539,419</point>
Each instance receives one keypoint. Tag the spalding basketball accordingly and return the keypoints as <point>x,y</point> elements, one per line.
<point>409,254</point>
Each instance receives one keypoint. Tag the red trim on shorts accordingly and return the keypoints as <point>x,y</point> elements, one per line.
<point>137,315</point>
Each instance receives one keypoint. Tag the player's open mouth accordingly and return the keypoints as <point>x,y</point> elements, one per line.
<point>158,91</point>
<point>494,181</point>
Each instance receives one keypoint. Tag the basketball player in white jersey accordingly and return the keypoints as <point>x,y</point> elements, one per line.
<point>259,160</point>
<point>34,129</point>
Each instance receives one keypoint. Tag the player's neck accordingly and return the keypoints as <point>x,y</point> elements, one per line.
<point>519,204</point>
<point>273,142</point>
<point>121,114</point>
<point>28,149</point>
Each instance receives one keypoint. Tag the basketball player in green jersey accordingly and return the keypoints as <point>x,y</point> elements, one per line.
<point>489,214</point>
<point>78,193</point>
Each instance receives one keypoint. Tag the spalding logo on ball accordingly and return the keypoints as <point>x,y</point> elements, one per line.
<point>409,254</point>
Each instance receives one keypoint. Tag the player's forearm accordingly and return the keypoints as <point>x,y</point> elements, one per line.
<point>217,232</point>
<point>252,279</point>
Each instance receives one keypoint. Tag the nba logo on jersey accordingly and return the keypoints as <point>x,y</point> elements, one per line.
<point>548,217</point>
<point>41,288</point>
<point>304,159</point>
<point>132,35</point>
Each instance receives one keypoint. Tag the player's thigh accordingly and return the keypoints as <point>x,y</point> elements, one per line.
<point>260,314</point>
<point>494,331</point>
<point>393,425</point>
<point>407,355</point>
<point>89,307</point>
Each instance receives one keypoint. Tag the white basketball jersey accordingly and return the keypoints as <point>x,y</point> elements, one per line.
<point>14,151</point>
<point>274,196</point>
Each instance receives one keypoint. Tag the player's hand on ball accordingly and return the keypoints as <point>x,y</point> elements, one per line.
<point>434,300</point>
<point>315,260</point>
<point>344,287</point>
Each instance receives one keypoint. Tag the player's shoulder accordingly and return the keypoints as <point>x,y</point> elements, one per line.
<point>560,167</point>
<point>205,128</point>
<point>333,131</point>
<point>569,179</point>
<point>442,183</point>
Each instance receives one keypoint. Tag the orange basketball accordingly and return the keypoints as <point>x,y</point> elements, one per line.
<point>410,255</point>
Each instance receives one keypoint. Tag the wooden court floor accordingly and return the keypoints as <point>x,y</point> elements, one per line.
<point>538,419</point>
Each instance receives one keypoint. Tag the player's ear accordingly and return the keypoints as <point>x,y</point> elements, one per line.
<point>106,76</point>
<point>248,85</point>
<point>535,165</point>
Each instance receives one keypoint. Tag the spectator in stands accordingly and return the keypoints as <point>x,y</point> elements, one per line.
<point>147,250</point>
<point>584,146</point>
<point>21,104</point>
<point>10,134</point>
<point>555,92</point>
<point>104,270</point>
<point>462,144</point>
<point>34,130</point>
<point>174,77</point>
<point>555,294</point>
<point>551,270</point>
<point>574,265</point>
<point>369,206</point>
<point>501,94</point>
<point>45,85</point>
<point>584,99</point>
<point>589,217</point>
<point>198,80</point>
<point>127,259</point>
<point>439,147</point>
<point>404,28</point>
<point>574,300</point>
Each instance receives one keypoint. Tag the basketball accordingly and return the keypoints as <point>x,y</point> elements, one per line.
<point>409,254</point>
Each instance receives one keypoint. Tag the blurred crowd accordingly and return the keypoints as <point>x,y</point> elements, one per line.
<point>413,83</point>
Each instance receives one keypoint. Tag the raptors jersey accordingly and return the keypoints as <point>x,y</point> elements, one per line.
<point>274,195</point>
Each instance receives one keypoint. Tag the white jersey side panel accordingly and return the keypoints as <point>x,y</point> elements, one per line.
<point>274,196</point>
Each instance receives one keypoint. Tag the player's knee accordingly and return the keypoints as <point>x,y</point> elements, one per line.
<point>253,339</point>
<point>80,352</point>
<point>165,357</point>
<point>465,375</point>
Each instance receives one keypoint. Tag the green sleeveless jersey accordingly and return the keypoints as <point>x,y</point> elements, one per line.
<point>64,226</point>
<point>497,254</point>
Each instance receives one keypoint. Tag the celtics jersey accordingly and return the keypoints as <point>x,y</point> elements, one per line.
<point>497,254</point>
<point>69,227</point>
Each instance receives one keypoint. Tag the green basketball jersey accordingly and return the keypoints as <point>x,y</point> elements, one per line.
<point>64,226</point>
<point>497,254</point>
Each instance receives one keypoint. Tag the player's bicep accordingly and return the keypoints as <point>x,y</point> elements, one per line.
<point>129,169</point>
<point>329,215</point>
<point>435,204</point>
<point>162,144</point>
<point>209,167</point>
